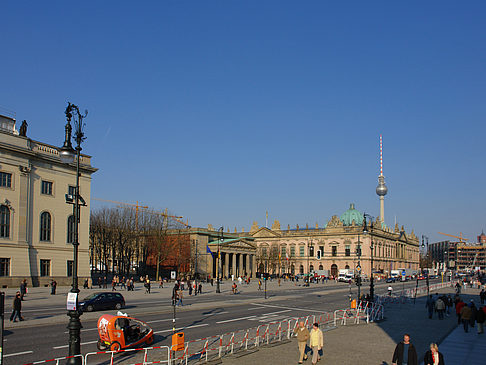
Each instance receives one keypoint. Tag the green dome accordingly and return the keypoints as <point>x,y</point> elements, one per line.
<point>352,215</point>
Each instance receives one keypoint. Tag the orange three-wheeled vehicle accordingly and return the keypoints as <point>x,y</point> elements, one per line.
<point>120,332</point>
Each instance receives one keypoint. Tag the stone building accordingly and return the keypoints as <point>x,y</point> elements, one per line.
<point>335,246</point>
<point>36,224</point>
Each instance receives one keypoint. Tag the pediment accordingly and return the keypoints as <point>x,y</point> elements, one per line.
<point>264,232</point>
<point>235,244</point>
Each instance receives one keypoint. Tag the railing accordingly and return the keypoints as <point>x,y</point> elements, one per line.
<point>208,348</point>
<point>57,360</point>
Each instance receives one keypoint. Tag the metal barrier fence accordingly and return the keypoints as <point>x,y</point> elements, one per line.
<point>208,348</point>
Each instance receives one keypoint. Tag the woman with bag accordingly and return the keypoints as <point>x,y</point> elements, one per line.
<point>316,343</point>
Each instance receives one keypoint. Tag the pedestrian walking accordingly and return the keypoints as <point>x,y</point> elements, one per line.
<point>23,289</point>
<point>466,314</point>
<point>113,285</point>
<point>259,284</point>
<point>179,298</point>
<point>459,305</point>
<point>189,286</point>
<point>85,285</point>
<point>474,310</point>
<point>302,337</point>
<point>449,305</point>
<point>405,353</point>
<point>316,343</point>
<point>200,288</point>
<point>147,285</point>
<point>433,356</point>
<point>100,282</point>
<point>53,287</point>
<point>17,308</point>
<point>480,318</point>
<point>482,296</point>
<point>430,305</point>
<point>440,308</point>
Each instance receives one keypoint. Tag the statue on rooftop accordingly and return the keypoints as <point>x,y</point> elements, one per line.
<point>23,129</point>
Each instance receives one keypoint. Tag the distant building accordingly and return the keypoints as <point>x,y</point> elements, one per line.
<point>458,256</point>
<point>482,238</point>
<point>36,224</point>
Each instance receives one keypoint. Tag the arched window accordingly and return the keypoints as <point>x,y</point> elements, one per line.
<point>45,227</point>
<point>321,267</point>
<point>301,269</point>
<point>311,268</point>
<point>334,270</point>
<point>346,267</point>
<point>4,221</point>
<point>70,229</point>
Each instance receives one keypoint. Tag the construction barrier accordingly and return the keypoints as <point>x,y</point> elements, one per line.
<point>208,348</point>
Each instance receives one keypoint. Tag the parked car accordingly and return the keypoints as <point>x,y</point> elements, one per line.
<point>100,301</point>
<point>391,280</point>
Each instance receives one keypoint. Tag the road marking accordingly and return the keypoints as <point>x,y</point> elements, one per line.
<point>86,329</point>
<point>253,309</point>
<point>213,314</point>
<point>236,319</point>
<point>184,328</point>
<point>19,353</point>
<point>161,320</point>
<point>280,306</point>
<point>66,346</point>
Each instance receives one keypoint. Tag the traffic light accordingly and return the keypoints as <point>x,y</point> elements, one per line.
<point>358,280</point>
<point>318,254</point>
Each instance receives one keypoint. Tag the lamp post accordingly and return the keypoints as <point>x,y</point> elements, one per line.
<point>427,261</point>
<point>309,243</point>
<point>195,269</point>
<point>358,271</point>
<point>67,154</point>
<point>370,231</point>
<point>221,236</point>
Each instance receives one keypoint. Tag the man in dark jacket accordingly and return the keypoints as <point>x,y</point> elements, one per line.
<point>405,353</point>
<point>430,305</point>
<point>480,318</point>
<point>17,308</point>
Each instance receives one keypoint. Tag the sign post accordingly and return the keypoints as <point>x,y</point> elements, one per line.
<point>2,319</point>
<point>72,301</point>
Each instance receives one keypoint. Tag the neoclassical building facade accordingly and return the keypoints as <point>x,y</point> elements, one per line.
<point>334,246</point>
<point>36,224</point>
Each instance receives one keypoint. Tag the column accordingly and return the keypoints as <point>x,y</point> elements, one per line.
<point>233,264</point>
<point>253,266</point>
<point>240,264</point>
<point>226,267</point>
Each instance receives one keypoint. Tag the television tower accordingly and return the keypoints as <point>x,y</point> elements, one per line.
<point>381,189</point>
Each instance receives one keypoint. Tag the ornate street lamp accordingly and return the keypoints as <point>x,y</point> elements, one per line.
<point>369,230</point>
<point>220,240</point>
<point>67,155</point>
<point>427,261</point>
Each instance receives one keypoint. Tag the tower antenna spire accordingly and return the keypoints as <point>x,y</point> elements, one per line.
<point>381,155</point>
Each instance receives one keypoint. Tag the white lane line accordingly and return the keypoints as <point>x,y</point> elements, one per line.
<point>297,309</point>
<point>161,320</point>
<point>19,353</point>
<point>214,314</point>
<point>273,313</point>
<point>184,328</point>
<point>86,329</point>
<point>236,319</point>
<point>253,309</point>
<point>66,346</point>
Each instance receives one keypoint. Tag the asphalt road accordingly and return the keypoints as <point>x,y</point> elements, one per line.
<point>28,344</point>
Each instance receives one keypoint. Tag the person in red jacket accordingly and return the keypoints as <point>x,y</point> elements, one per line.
<point>459,305</point>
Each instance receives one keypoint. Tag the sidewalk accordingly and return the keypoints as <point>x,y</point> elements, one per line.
<point>374,343</point>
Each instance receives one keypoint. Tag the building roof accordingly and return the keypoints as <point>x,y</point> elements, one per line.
<point>352,215</point>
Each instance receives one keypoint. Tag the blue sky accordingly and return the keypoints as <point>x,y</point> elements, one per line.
<point>222,110</point>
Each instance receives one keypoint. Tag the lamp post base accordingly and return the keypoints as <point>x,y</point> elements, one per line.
<point>74,327</point>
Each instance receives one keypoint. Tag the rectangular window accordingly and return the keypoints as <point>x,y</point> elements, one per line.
<point>348,250</point>
<point>70,266</point>
<point>72,190</point>
<point>334,250</point>
<point>311,251</point>
<point>46,187</point>
<point>321,248</point>
<point>45,267</point>
<point>283,251</point>
<point>5,180</point>
<point>302,251</point>
<point>4,267</point>
<point>264,252</point>
<point>292,251</point>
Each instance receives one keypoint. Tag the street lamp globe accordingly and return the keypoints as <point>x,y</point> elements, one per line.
<point>67,152</point>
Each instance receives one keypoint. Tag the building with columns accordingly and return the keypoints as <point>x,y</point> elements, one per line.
<point>340,244</point>
<point>36,224</point>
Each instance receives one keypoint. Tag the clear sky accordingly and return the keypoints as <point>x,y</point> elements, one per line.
<point>222,110</point>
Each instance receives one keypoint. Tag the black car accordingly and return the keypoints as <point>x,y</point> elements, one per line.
<point>99,301</point>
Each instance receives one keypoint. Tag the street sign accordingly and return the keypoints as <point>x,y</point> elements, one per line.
<point>173,275</point>
<point>72,301</point>
<point>358,268</point>
<point>404,273</point>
